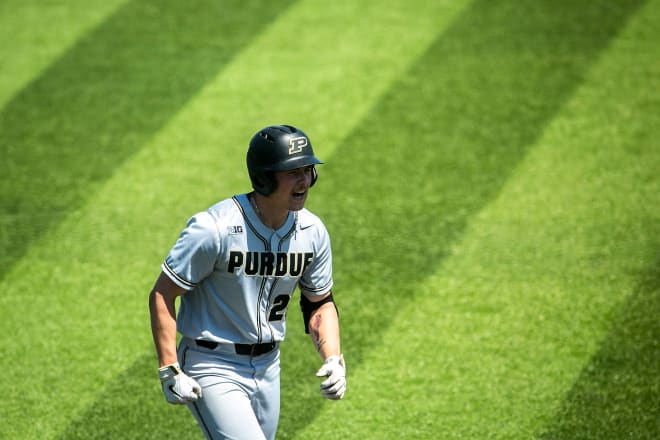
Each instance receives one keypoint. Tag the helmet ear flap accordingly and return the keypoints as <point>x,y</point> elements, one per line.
<point>263,183</point>
<point>315,176</point>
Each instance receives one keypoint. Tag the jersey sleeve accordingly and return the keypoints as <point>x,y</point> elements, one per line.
<point>194,254</point>
<point>317,278</point>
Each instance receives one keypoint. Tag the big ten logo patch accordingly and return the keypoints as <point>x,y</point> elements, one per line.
<point>297,144</point>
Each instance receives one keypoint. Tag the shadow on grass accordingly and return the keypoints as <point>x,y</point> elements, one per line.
<point>618,394</point>
<point>70,128</point>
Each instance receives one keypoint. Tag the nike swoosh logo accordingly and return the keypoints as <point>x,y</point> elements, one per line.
<point>171,388</point>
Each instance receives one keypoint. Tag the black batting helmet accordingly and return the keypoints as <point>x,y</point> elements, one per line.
<point>278,148</point>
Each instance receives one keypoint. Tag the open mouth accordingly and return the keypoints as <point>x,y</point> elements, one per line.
<point>299,195</point>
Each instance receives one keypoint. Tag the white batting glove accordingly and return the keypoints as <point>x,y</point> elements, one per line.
<point>334,369</point>
<point>178,387</point>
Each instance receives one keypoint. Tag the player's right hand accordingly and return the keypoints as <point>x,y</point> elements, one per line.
<point>179,388</point>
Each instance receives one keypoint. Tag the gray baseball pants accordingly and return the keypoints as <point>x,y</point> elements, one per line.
<point>240,393</point>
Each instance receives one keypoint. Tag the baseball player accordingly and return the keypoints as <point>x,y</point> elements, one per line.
<point>236,266</point>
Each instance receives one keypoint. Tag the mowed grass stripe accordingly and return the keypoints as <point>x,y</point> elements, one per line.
<point>488,347</point>
<point>68,131</point>
<point>91,275</point>
<point>617,394</point>
<point>33,34</point>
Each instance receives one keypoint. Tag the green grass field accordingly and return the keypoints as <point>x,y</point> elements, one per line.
<point>491,186</point>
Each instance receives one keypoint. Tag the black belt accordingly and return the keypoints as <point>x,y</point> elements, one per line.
<point>242,349</point>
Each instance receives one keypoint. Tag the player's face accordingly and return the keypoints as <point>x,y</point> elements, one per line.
<point>292,187</point>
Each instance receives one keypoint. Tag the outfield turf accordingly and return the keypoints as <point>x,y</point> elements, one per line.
<point>491,189</point>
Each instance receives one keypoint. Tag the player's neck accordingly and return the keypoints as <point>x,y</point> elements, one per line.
<point>270,214</point>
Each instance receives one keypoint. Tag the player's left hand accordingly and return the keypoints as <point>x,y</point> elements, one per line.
<point>334,369</point>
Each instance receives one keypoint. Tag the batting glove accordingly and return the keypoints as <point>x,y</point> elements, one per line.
<point>334,369</point>
<point>178,387</point>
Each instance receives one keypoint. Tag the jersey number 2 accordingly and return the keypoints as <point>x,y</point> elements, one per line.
<point>278,311</point>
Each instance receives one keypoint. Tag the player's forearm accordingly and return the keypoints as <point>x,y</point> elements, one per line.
<point>324,331</point>
<point>163,328</point>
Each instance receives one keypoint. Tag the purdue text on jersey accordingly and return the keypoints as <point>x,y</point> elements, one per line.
<point>277,264</point>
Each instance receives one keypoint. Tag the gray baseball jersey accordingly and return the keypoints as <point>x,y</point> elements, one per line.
<point>241,274</point>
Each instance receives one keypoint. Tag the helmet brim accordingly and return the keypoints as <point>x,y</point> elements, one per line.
<point>293,163</point>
